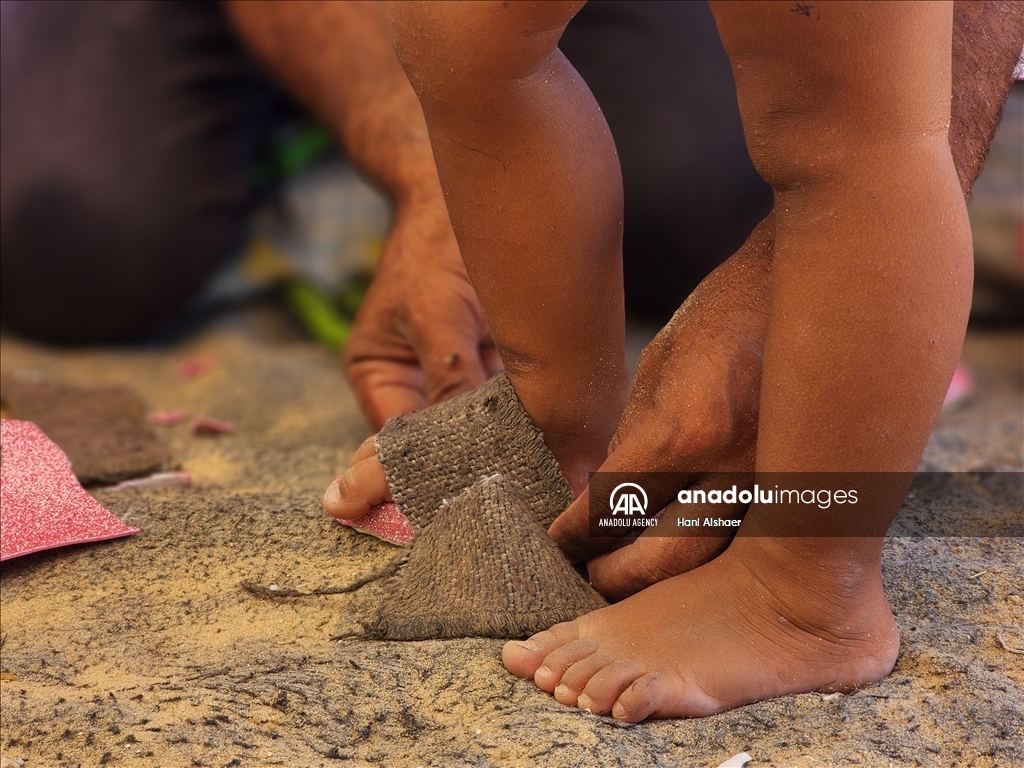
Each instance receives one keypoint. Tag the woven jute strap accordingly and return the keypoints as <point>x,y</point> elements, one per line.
<point>432,455</point>
<point>484,567</point>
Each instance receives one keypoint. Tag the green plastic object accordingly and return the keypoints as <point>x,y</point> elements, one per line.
<point>318,317</point>
<point>298,152</point>
<point>292,152</point>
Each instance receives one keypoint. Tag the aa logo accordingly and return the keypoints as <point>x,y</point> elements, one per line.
<point>627,501</point>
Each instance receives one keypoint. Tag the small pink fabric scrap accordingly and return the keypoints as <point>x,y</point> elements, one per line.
<point>204,425</point>
<point>960,388</point>
<point>195,366</point>
<point>385,522</point>
<point>167,418</point>
<point>42,504</point>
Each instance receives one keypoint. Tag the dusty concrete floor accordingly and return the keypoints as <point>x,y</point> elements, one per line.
<point>147,651</point>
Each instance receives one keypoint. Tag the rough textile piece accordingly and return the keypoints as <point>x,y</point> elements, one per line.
<point>431,455</point>
<point>102,430</point>
<point>483,568</point>
<point>41,503</point>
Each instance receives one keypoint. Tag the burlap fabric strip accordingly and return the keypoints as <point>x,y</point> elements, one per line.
<point>484,567</point>
<point>432,455</point>
<point>479,486</point>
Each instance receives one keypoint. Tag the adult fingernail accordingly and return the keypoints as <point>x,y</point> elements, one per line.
<point>333,495</point>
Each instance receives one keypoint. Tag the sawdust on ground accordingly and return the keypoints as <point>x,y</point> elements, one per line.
<point>148,651</point>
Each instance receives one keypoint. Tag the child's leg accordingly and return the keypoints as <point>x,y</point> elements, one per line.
<point>533,187</point>
<point>846,108</point>
<point>717,337</point>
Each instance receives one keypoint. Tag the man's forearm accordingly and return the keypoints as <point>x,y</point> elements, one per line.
<point>337,59</point>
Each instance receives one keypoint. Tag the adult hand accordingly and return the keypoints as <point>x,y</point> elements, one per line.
<point>693,411</point>
<point>420,336</point>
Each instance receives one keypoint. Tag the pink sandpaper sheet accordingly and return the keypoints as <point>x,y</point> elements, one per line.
<point>960,388</point>
<point>385,522</point>
<point>42,504</point>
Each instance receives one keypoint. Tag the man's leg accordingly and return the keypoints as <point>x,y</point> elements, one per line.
<point>130,131</point>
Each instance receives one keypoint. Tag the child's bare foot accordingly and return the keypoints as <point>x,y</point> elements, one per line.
<point>364,484</point>
<point>752,624</point>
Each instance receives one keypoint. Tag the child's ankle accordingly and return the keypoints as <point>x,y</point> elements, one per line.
<point>578,417</point>
<point>849,566</point>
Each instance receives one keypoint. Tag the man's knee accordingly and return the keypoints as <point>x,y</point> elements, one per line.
<point>459,48</point>
<point>78,267</point>
<point>129,134</point>
<point>822,90</point>
<point>987,39</point>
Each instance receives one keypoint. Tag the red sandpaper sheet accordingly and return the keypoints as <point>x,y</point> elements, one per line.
<point>385,522</point>
<point>42,504</point>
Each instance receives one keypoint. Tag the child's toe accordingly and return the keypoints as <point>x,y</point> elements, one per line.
<point>663,695</point>
<point>364,485</point>
<point>562,658</point>
<point>575,680</point>
<point>606,685</point>
<point>524,657</point>
<point>641,699</point>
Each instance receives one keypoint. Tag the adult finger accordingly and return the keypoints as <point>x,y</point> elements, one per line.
<point>571,531</point>
<point>387,388</point>
<point>448,347</point>
<point>649,559</point>
<point>637,451</point>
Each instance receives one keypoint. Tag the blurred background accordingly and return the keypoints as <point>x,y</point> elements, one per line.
<point>154,175</point>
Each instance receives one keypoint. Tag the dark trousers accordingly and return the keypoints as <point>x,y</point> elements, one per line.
<point>129,133</point>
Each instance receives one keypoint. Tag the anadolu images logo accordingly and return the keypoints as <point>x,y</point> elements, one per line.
<point>627,502</point>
